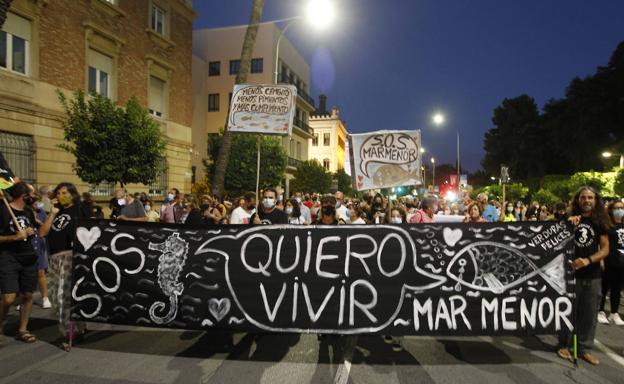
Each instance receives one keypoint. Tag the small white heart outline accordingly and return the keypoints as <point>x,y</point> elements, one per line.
<point>219,308</point>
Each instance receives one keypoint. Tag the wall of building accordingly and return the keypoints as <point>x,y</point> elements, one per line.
<point>62,33</point>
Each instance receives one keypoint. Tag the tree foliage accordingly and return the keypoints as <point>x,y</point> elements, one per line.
<point>569,135</point>
<point>345,182</point>
<point>240,175</point>
<point>111,143</point>
<point>311,176</point>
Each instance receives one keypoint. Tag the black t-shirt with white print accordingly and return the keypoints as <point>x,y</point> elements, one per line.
<point>22,250</point>
<point>63,227</point>
<point>616,247</point>
<point>586,243</point>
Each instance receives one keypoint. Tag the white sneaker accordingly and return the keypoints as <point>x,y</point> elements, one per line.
<point>45,303</point>
<point>616,319</point>
<point>602,318</point>
<point>18,307</point>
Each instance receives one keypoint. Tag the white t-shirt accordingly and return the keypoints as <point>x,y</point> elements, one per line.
<point>359,220</point>
<point>343,213</point>
<point>296,220</point>
<point>241,216</point>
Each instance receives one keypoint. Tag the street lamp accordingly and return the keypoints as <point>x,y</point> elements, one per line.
<point>439,119</point>
<point>433,173</point>
<point>319,13</point>
<point>609,154</point>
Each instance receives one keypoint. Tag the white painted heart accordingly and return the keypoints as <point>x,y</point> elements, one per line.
<point>452,236</point>
<point>88,237</point>
<point>219,308</point>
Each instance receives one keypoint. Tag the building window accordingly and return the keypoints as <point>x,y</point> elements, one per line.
<point>15,40</point>
<point>213,102</point>
<point>341,143</point>
<point>99,73</point>
<point>229,100</point>
<point>156,96</point>
<point>214,68</point>
<point>291,152</point>
<point>299,150</point>
<point>104,189</point>
<point>159,186</point>
<point>18,150</point>
<point>326,164</point>
<point>326,138</point>
<point>315,140</point>
<point>158,20</point>
<point>234,67</point>
<point>257,65</point>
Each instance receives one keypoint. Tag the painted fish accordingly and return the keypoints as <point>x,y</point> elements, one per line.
<point>391,174</point>
<point>488,266</point>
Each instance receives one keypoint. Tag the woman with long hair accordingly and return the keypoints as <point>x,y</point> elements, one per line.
<point>474,214</point>
<point>293,210</point>
<point>613,275</point>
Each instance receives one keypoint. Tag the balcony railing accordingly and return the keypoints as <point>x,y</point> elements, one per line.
<point>302,124</point>
<point>300,92</point>
<point>292,162</point>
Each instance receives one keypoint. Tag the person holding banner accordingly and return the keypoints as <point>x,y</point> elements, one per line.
<point>591,245</point>
<point>68,208</point>
<point>426,213</point>
<point>613,276</point>
<point>269,214</point>
<point>18,261</point>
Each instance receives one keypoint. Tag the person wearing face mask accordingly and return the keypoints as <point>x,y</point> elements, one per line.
<point>18,261</point>
<point>510,215</point>
<point>561,212</point>
<point>152,215</point>
<point>591,245</point>
<point>377,211</point>
<point>117,202</point>
<point>533,212</point>
<point>396,216</point>
<point>241,214</point>
<point>268,213</point>
<point>41,248</point>
<point>305,211</point>
<point>294,212</point>
<point>167,211</point>
<point>341,210</point>
<point>613,274</point>
<point>132,210</point>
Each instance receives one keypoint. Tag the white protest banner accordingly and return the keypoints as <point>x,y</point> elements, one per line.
<point>385,159</point>
<point>263,108</point>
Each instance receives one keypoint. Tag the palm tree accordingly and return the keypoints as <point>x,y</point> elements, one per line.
<point>245,63</point>
<point>4,7</point>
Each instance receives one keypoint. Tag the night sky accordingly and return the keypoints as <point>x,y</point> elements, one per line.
<point>390,64</point>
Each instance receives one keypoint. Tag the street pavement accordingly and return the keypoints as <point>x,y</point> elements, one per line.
<point>127,355</point>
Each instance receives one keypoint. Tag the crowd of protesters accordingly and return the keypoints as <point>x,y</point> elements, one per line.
<point>47,223</point>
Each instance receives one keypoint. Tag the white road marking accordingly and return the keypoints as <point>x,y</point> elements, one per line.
<point>342,374</point>
<point>609,352</point>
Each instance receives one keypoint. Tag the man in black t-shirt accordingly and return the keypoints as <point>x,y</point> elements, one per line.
<point>591,245</point>
<point>18,261</point>
<point>268,214</point>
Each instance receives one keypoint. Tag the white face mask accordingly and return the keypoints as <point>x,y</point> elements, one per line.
<point>395,220</point>
<point>298,199</point>
<point>289,210</point>
<point>121,202</point>
<point>39,205</point>
<point>268,203</point>
<point>147,208</point>
<point>170,197</point>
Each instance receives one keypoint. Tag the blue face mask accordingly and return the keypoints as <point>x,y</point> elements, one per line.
<point>170,197</point>
<point>618,213</point>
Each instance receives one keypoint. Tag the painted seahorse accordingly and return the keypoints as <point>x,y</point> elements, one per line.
<point>171,262</point>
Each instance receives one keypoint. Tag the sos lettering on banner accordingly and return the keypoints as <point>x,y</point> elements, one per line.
<point>457,279</point>
<point>263,108</point>
<point>385,159</point>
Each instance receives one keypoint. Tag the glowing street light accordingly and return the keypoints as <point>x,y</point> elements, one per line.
<point>608,154</point>
<point>319,14</point>
<point>438,118</point>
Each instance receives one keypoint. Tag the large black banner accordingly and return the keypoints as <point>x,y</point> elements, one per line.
<point>460,279</point>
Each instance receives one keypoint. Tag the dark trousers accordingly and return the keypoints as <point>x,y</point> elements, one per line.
<point>612,279</point>
<point>586,302</point>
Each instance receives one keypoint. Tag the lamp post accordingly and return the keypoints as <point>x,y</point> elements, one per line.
<point>439,119</point>
<point>319,13</point>
<point>433,173</point>
<point>609,154</point>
